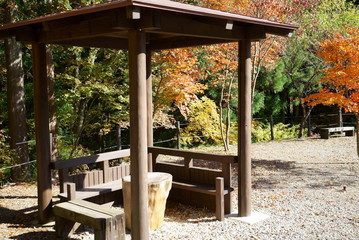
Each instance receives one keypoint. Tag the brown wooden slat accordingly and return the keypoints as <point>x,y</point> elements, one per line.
<point>199,188</point>
<point>128,171</point>
<point>123,170</point>
<point>86,182</point>
<point>195,155</point>
<point>95,178</point>
<point>100,177</point>
<point>90,159</point>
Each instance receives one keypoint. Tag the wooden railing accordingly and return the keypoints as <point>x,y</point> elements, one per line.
<point>196,185</point>
<point>86,181</point>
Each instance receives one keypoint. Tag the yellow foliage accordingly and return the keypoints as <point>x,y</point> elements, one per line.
<point>203,124</point>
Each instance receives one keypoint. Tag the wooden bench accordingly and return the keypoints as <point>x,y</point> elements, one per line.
<point>198,186</point>
<point>108,224</point>
<point>92,184</point>
<point>326,132</point>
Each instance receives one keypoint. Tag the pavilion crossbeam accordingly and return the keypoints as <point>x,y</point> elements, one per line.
<point>88,27</point>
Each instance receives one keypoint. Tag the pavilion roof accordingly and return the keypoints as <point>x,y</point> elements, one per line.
<point>168,24</point>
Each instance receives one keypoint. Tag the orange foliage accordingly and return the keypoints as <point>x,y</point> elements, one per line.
<point>341,80</point>
<point>179,79</point>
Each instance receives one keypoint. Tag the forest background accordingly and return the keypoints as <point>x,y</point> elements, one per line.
<point>89,89</point>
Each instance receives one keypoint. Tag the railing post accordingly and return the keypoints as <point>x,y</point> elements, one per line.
<point>178,128</point>
<point>118,137</point>
<point>271,127</point>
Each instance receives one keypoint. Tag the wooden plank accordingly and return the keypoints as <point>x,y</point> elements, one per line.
<point>94,25</point>
<point>99,42</point>
<point>95,178</point>
<point>85,180</point>
<point>123,170</point>
<point>90,159</point>
<point>194,155</point>
<point>96,207</point>
<point>183,25</point>
<point>128,170</point>
<point>92,218</point>
<point>200,188</point>
<point>105,165</point>
<point>96,190</point>
<point>100,177</point>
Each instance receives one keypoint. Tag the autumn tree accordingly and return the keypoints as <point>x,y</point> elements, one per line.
<point>176,80</point>
<point>220,64</point>
<point>341,80</point>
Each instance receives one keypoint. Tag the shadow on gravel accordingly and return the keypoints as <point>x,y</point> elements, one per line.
<point>23,216</point>
<point>42,235</point>
<point>273,164</point>
<point>278,174</point>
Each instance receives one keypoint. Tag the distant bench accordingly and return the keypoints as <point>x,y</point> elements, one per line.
<point>91,184</point>
<point>198,186</point>
<point>326,132</point>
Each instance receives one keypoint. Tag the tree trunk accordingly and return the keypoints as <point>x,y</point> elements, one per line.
<point>303,120</point>
<point>16,103</point>
<point>221,117</point>
<point>52,107</point>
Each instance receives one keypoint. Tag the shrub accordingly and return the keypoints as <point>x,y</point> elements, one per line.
<point>261,132</point>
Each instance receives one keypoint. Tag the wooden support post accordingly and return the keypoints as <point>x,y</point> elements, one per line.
<point>42,132</point>
<point>244,125</point>
<point>220,198</point>
<point>149,107</point>
<point>138,135</point>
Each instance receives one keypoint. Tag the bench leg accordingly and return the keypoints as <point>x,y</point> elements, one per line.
<point>324,134</point>
<point>349,133</point>
<point>63,227</point>
<point>108,233</point>
<point>220,198</point>
<point>71,191</point>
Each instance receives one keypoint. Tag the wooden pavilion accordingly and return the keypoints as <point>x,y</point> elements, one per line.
<point>141,26</point>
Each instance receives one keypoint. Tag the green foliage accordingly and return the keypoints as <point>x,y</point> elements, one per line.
<point>92,90</point>
<point>261,132</point>
<point>203,120</point>
<point>6,156</point>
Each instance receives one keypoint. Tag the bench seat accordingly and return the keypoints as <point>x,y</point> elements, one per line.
<point>92,191</point>
<point>201,188</point>
<point>108,223</point>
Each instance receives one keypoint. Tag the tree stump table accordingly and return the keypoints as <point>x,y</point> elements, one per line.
<point>159,186</point>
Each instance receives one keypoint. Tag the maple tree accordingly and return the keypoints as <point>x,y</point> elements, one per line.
<point>341,80</point>
<point>176,79</point>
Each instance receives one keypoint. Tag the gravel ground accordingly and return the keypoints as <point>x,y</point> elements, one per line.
<point>309,188</point>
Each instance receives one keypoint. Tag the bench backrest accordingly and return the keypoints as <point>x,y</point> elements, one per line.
<point>86,179</point>
<point>187,172</point>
